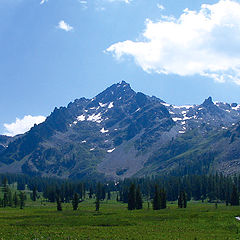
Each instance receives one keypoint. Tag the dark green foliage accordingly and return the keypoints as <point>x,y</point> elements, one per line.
<point>139,201</point>
<point>98,196</point>
<point>132,197</point>
<point>7,194</point>
<point>234,197</point>
<point>34,194</point>
<point>15,200</point>
<point>156,199</point>
<point>97,204</point>
<point>90,192</point>
<point>22,198</point>
<point>182,200</point>
<point>163,199</point>
<point>59,204</point>
<point>103,193</point>
<point>75,201</point>
<point>109,195</point>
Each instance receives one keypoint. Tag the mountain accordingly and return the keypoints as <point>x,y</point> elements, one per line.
<point>4,141</point>
<point>122,133</point>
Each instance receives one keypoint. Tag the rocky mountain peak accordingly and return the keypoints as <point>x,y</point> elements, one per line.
<point>208,102</point>
<point>116,92</point>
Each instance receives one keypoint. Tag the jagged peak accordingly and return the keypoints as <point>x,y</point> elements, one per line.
<point>116,91</point>
<point>208,102</point>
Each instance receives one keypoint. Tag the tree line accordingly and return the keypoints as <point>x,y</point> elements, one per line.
<point>155,190</point>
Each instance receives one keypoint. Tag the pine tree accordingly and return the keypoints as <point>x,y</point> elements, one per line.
<point>109,195</point>
<point>22,199</point>
<point>90,192</point>
<point>156,199</point>
<point>9,196</point>
<point>139,200</point>
<point>5,192</point>
<point>234,197</point>
<point>98,196</point>
<point>99,191</point>
<point>132,197</point>
<point>103,193</point>
<point>180,200</point>
<point>34,194</point>
<point>97,203</point>
<point>163,199</point>
<point>75,201</point>
<point>184,199</point>
<point>5,199</point>
<point>59,204</point>
<point>15,199</point>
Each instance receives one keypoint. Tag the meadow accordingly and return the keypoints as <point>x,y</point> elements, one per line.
<point>42,221</point>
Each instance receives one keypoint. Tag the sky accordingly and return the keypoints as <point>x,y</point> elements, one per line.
<point>54,51</point>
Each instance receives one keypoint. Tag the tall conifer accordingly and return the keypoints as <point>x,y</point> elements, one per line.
<point>132,197</point>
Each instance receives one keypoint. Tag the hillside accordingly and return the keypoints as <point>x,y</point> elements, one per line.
<point>122,133</point>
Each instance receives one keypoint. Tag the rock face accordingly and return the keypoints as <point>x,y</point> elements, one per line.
<point>117,134</point>
<point>4,141</point>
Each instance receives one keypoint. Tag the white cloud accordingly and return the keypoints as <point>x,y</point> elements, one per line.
<point>23,125</point>
<point>83,4</point>
<point>126,1</point>
<point>43,1</point>
<point>204,42</point>
<point>64,26</point>
<point>160,6</point>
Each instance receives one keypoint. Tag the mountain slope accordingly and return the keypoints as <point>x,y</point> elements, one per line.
<point>120,133</point>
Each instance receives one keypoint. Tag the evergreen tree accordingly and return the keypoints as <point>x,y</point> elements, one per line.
<point>22,199</point>
<point>180,200</point>
<point>97,203</point>
<point>108,195</point>
<point>5,190</point>
<point>117,198</point>
<point>163,199</point>
<point>90,192</point>
<point>99,191</point>
<point>75,201</point>
<point>234,197</point>
<point>103,193</point>
<point>34,194</point>
<point>9,196</point>
<point>156,199</point>
<point>15,199</point>
<point>184,199</point>
<point>59,204</point>
<point>5,199</point>
<point>98,196</point>
<point>132,197</point>
<point>139,200</point>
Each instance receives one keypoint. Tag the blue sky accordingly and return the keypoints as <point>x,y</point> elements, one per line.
<point>53,52</point>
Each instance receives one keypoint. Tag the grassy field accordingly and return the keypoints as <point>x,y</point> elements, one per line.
<point>114,221</point>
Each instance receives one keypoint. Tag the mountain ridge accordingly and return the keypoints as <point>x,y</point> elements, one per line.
<point>116,134</point>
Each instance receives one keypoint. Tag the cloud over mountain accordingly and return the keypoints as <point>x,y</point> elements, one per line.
<point>204,42</point>
<point>23,125</point>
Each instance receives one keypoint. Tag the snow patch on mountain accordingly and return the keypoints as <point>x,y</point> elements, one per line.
<point>104,130</point>
<point>81,118</point>
<point>110,150</point>
<point>95,118</point>
<point>102,104</point>
<point>110,105</point>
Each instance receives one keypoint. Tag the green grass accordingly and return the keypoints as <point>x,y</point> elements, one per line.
<point>114,221</point>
